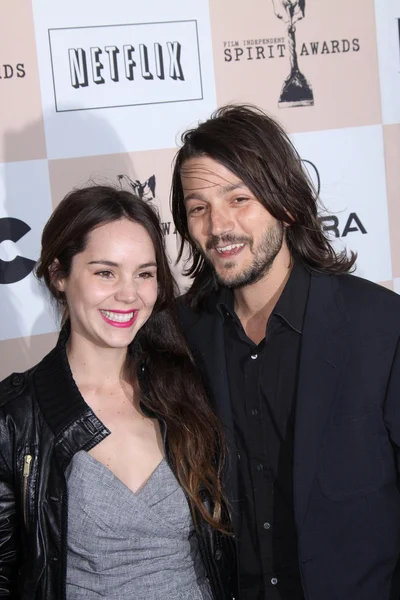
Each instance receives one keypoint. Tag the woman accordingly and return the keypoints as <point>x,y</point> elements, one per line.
<point>109,454</point>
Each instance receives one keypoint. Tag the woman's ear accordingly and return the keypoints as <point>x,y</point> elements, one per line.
<point>59,283</point>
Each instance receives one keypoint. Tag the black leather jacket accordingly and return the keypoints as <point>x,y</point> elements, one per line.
<point>44,421</point>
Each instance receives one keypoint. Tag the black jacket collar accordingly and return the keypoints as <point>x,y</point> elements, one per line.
<point>59,398</point>
<point>57,394</point>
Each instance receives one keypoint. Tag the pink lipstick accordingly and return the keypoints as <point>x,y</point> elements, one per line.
<point>119,318</point>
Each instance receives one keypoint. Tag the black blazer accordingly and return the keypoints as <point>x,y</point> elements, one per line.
<point>347,434</point>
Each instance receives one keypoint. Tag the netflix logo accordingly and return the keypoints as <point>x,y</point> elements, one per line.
<point>125,65</point>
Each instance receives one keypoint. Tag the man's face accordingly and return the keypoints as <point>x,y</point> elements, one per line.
<point>228,224</point>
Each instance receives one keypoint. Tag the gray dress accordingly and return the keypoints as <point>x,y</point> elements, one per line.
<point>130,546</point>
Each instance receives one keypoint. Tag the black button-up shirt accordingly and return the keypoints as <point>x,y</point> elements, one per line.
<point>263,382</point>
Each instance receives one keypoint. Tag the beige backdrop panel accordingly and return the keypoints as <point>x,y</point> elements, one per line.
<point>336,51</point>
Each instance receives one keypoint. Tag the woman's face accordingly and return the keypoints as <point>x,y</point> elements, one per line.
<point>112,287</point>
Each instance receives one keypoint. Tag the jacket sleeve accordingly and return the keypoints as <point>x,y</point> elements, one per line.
<point>392,406</point>
<point>9,530</point>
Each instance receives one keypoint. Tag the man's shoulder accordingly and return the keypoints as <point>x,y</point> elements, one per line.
<point>368,302</point>
<point>359,288</point>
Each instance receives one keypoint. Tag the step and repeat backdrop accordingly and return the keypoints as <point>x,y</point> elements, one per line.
<point>100,91</point>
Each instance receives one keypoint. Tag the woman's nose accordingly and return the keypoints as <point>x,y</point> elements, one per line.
<point>126,292</point>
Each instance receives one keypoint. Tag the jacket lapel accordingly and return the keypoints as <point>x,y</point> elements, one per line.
<point>323,361</point>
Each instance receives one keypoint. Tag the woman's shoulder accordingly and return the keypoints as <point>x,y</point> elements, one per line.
<point>16,402</point>
<point>18,385</point>
<point>15,386</point>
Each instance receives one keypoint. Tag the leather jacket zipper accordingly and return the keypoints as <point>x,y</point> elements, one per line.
<point>26,473</point>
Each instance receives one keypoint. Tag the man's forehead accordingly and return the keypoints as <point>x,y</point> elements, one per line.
<point>205,173</point>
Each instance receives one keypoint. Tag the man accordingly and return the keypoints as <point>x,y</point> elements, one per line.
<point>302,362</point>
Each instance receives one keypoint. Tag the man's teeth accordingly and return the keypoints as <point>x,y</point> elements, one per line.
<point>119,317</point>
<point>229,248</point>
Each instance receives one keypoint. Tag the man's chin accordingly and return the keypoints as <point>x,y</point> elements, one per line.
<point>228,275</point>
<point>243,278</point>
<point>232,279</point>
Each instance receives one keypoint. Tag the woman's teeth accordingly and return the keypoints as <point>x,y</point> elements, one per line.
<point>118,317</point>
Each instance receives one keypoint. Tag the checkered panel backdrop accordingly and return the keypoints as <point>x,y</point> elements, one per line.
<point>100,91</point>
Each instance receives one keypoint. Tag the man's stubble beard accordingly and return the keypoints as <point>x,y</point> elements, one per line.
<point>263,258</point>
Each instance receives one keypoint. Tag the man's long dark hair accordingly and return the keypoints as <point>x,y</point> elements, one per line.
<point>159,359</point>
<point>258,151</point>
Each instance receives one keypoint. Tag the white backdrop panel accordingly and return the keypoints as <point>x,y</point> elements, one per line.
<point>351,166</point>
<point>170,64</point>
<point>25,308</point>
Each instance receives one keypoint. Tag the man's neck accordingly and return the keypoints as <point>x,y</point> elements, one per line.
<point>255,303</point>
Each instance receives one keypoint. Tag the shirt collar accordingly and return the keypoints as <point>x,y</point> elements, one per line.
<point>292,302</point>
<point>225,302</point>
<point>291,305</point>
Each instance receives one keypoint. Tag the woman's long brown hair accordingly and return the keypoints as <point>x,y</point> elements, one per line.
<point>160,359</point>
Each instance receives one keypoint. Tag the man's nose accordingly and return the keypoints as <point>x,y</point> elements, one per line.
<point>220,221</point>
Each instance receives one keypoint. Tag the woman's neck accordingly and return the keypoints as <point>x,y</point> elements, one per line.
<point>93,365</point>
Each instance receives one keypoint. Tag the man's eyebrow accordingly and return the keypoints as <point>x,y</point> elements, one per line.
<point>194,196</point>
<point>225,189</point>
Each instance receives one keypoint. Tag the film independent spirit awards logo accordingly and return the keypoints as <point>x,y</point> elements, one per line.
<point>146,191</point>
<point>296,89</point>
